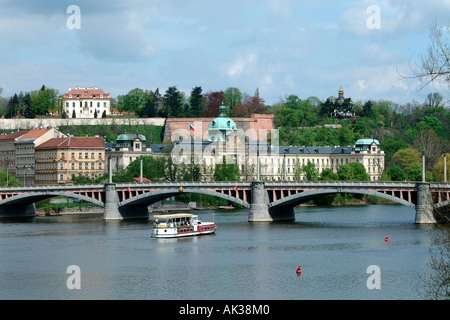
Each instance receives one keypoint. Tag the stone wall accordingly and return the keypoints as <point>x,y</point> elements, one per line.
<point>24,124</point>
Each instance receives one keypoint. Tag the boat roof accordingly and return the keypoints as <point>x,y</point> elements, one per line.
<point>173,216</point>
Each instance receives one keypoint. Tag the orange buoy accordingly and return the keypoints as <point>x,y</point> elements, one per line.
<point>299,270</point>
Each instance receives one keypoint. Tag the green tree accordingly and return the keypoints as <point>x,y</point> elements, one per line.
<point>310,171</point>
<point>6,179</point>
<point>415,173</point>
<point>353,171</point>
<point>328,175</point>
<point>226,171</point>
<point>196,102</point>
<point>133,101</point>
<point>406,158</point>
<point>396,173</point>
<point>232,96</point>
<point>172,102</point>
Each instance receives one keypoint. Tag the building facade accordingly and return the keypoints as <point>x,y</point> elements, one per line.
<point>8,151</point>
<point>25,153</point>
<point>59,158</point>
<point>88,102</point>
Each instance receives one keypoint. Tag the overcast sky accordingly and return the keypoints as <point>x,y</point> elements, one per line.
<point>282,47</point>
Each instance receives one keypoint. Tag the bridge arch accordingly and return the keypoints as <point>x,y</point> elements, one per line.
<point>302,197</point>
<point>151,197</point>
<point>35,196</point>
<point>441,204</point>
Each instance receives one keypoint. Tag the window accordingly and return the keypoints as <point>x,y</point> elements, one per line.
<point>62,155</point>
<point>92,166</point>
<point>80,166</point>
<point>80,155</point>
<point>73,166</point>
<point>92,155</point>
<point>99,155</point>
<point>86,165</point>
<point>73,155</point>
<point>61,165</point>
<point>61,177</point>
<point>86,155</point>
<point>100,165</point>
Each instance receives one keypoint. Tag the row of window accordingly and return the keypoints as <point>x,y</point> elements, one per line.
<point>52,155</point>
<point>86,104</point>
<point>62,165</point>
<point>60,177</point>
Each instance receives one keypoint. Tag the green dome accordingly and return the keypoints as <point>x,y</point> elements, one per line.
<point>221,126</point>
<point>364,144</point>
<point>130,137</point>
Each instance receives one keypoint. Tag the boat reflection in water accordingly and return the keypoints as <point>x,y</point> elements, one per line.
<point>180,225</point>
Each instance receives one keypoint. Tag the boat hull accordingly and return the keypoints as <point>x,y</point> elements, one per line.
<point>182,235</point>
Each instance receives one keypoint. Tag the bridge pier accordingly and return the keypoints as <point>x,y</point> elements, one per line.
<point>111,209</point>
<point>259,207</point>
<point>424,207</point>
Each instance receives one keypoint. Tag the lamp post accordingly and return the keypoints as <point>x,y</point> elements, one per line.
<point>445,166</point>
<point>423,166</point>
<point>141,176</point>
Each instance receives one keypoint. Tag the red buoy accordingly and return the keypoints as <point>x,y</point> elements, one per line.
<point>386,239</point>
<point>299,270</point>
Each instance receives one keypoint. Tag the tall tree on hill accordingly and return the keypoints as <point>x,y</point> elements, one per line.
<point>133,101</point>
<point>11,108</point>
<point>212,102</point>
<point>149,109</point>
<point>196,102</point>
<point>232,96</point>
<point>172,103</point>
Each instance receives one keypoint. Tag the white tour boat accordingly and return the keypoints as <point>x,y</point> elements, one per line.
<point>180,225</point>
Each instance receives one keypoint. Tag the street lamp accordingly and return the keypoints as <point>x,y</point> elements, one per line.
<point>423,166</point>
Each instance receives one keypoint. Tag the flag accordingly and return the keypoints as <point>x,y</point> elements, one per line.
<point>191,127</point>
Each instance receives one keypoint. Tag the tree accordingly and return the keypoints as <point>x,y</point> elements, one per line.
<point>95,113</point>
<point>133,101</point>
<point>212,102</point>
<point>433,146</point>
<point>11,109</point>
<point>196,102</point>
<point>434,100</point>
<point>226,171</point>
<point>406,158</point>
<point>328,175</point>
<point>434,66</point>
<point>6,179</point>
<point>353,171</point>
<point>232,96</point>
<point>396,173</point>
<point>310,171</point>
<point>172,102</point>
<point>415,173</point>
<point>104,114</point>
<point>74,115</point>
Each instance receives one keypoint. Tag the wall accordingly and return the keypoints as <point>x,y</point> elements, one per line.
<point>23,124</point>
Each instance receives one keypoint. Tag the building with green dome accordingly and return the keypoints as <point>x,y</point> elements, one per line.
<point>221,128</point>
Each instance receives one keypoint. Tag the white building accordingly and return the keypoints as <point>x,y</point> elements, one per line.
<point>86,102</point>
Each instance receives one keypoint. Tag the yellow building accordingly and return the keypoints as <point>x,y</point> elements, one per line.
<point>59,158</point>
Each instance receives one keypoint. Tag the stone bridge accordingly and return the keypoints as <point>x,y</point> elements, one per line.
<point>266,201</point>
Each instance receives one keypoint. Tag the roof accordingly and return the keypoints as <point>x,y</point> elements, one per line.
<point>79,92</point>
<point>173,216</point>
<point>13,135</point>
<point>367,141</point>
<point>144,179</point>
<point>131,137</point>
<point>73,142</point>
<point>32,135</point>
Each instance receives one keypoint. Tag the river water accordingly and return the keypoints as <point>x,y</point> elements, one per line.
<point>243,261</point>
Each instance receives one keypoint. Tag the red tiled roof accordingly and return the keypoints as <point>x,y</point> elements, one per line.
<point>73,142</point>
<point>87,93</point>
<point>35,133</point>
<point>13,135</point>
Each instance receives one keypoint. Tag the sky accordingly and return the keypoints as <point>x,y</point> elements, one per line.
<point>282,47</point>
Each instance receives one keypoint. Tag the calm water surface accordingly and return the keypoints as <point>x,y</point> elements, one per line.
<point>119,259</point>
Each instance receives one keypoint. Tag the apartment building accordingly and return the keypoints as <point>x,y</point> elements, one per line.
<point>59,158</point>
<point>25,153</point>
<point>8,151</point>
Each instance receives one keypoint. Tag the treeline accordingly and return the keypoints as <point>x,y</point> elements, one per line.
<point>175,104</point>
